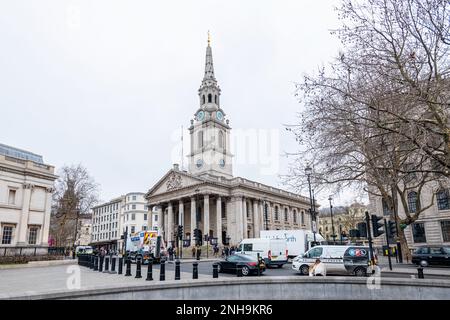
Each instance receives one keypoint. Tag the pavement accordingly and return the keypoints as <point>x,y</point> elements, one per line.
<point>67,275</point>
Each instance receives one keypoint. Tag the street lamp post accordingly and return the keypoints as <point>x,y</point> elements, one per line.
<point>332,223</point>
<point>308,171</point>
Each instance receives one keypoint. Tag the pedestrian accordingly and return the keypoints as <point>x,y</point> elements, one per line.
<point>170,251</point>
<point>216,251</point>
<point>318,269</point>
<point>227,251</point>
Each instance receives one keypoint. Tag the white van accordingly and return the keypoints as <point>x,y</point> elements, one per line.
<point>298,241</point>
<point>337,259</point>
<point>273,251</point>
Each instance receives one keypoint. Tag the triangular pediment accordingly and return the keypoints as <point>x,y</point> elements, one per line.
<point>173,180</point>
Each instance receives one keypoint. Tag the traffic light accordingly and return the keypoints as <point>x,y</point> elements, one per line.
<point>392,229</point>
<point>377,227</point>
<point>180,232</point>
<point>362,228</point>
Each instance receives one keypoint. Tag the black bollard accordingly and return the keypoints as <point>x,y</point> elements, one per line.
<point>239,270</point>
<point>106,265</point>
<point>100,267</point>
<point>215,270</point>
<point>128,271</point>
<point>138,268</point>
<point>150,270</point>
<point>259,264</point>
<point>420,272</point>
<point>120,265</point>
<point>177,269</point>
<point>162,271</point>
<point>195,270</point>
<point>113,265</point>
<point>95,263</point>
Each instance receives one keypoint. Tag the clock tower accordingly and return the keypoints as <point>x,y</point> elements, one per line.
<point>210,130</point>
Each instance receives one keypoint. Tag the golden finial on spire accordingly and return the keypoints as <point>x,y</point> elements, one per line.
<point>209,38</point>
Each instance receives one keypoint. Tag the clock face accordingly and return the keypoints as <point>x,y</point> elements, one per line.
<point>201,115</point>
<point>199,163</point>
<point>219,115</point>
<point>222,163</point>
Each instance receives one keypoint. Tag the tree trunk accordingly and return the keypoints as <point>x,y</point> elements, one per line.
<point>406,254</point>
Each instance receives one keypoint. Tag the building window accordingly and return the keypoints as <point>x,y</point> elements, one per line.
<point>386,209</point>
<point>145,216</point>
<point>12,197</point>
<point>144,228</point>
<point>133,216</point>
<point>303,218</point>
<point>203,99</point>
<point>286,215</point>
<point>215,98</point>
<point>443,202</point>
<point>221,139</point>
<point>412,202</point>
<point>209,97</point>
<point>156,217</point>
<point>133,207</point>
<point>7,234</point>
<point>445,226</point>
<point>32,235</point>
<point>295,216</point>
<point>134,197</point>
<point>247,207</point>
<point>419,233</point>
<point>132,229</point>
<point>200,139</point>
<point>276,214</point>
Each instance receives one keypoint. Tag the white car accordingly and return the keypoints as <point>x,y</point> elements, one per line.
<point>337,259</point>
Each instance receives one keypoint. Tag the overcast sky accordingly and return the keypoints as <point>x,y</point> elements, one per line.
<point>109,84</point>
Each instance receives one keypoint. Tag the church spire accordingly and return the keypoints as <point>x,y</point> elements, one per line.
<point>209,91</point>
<point>209,67</point>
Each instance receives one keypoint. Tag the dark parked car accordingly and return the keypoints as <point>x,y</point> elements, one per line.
<point>249,264</point>
<point>427,256</point>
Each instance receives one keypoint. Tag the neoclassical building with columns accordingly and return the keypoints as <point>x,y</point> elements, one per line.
<point>207,196</point>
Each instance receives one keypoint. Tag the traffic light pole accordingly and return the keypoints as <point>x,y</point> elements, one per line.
<point>369,238</point>
<point>387,241</point>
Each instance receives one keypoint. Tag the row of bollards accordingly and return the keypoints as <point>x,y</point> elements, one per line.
<point>103,264</point>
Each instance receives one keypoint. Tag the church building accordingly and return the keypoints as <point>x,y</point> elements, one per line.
<point>207,196</point>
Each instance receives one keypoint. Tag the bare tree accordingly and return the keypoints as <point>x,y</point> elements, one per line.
<point>378,118</point>
<point>75,194</point>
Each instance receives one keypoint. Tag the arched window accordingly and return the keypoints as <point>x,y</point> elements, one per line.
<point>303,217</point>
<point>286,215</point>
<point>203,99</point>
<point>221,139</point>
<point>412,202</point>
<point>209,97</point>
<point>200,139</point>
<point>276,214</point>
<point>443,200</point>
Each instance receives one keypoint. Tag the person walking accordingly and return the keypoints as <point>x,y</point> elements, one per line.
<point>227,251</point>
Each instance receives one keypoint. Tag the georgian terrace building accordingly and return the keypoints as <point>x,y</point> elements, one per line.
<point>26,187</point>
<point>207,196</point>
